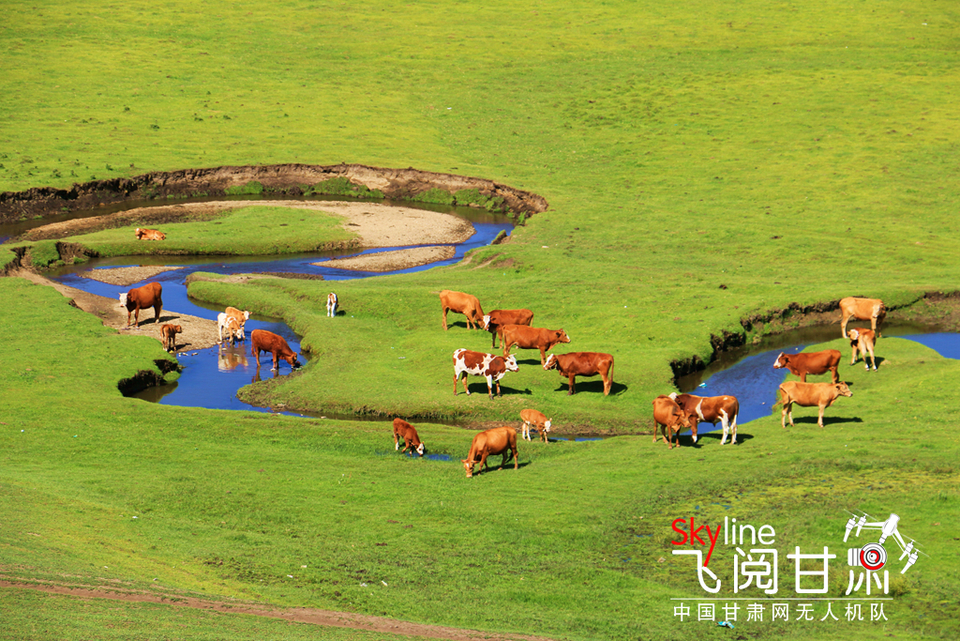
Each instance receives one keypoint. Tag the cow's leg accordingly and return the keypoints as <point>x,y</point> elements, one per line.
<point>725,423</point>
<point>803,377</point>
<point>843,324</point>
<point>444,319</point>
<point>820,414</point>
<point>526,431</point>
<point>156,310</point>
<point>853,355</point>
<point>515,462</point>
<point>607,384</point>
<point>783,416</point>
<point>733,427</point>
<point>543,357</point>
<point>276,362</point>
<point>835,375</point>
<point>572,388</point>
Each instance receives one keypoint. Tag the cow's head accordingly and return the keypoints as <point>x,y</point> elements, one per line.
<point>781,361</point>
<point>123,300</point>
<point>420,449</point>
<point>562,336</point>
<point>842,389</point>
<point>551,362</point>
<point>486,322</point>
<point>510,363</point>
<point>853,334</point>
<point>546,426</point>
<point>468,466</point>
<point>692,421</point>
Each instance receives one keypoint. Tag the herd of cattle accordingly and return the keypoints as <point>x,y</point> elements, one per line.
<point>672,413</point>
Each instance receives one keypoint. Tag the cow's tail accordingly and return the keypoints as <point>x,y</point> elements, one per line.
<point>782,396</point>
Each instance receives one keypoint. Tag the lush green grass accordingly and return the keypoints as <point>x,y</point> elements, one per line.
<point>791,153</point>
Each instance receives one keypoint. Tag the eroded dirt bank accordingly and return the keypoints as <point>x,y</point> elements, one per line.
<point>287,179</point>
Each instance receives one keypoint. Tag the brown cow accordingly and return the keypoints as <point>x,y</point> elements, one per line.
<point>582,364</point>
<point>532,338</point>
<point>142,298</point>
<point>711,409</point>
<point>495,321</point>
<point>168,334</point>
<point>263,341</point>
<point>668,416</point>
<point>810,363</point>
<point>499,440</point>
<point>807,395</point>
<point>407,432</point>
<point>533,418</point>
<point>870,309</point>
<point>479,364</point>
<point>240,317</point>
<point>862,340</point>
<point>464,304</point>
<point>150,234</point>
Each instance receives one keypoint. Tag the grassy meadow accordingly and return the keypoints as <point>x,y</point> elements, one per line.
<point>704,163</point>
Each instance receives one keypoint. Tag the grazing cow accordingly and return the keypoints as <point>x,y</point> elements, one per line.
<point>532,338</point>
<point>407,432</point>
<point>479,364</point>
<point>711,409</point>
<point>499,440</point>
<point>671,420</point>
<point>150,234</point>
<point>142,298</point>
<point>535,419</point>
<point>332,305</point>
<point>263,341</point>
<point>233,328</point>
<point>464,304</point>
<point>807,395</point>
<point>495,321</point>
<point>582,364</point>
<point>240,317</point>
<point>862,340</point>
<point>810,363</point>
<point>168,334</point>
<point>870,309</point>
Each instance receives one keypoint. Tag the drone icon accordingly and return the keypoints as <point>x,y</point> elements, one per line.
<point>872,556</point>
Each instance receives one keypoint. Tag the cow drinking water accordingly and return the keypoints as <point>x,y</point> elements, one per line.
<point>407,432</point>
<point>263,341</point>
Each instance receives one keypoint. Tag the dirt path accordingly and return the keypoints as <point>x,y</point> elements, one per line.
<point>298,615</point>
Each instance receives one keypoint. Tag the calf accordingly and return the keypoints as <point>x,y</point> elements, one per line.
<point>671,420</point>
<point>534,419</point>
<point>142,298</point>
<point>499,440</point>
<point>495,321</point>
<point>150,234</point>
<point>711,409</point>
<point>233,328</point>
<point>241,318</point>
<point>168,334</point>
<point>532,338</point>
<point>582,364</point>
<point>479,364</point>
<point>810,363</point>
<point>461,303</point>
<point>332,305</point>
<point>871,309</point>
<point>807,395</point>
<point>263,341</point>
<point>407,432</point>
<point>862,340</point>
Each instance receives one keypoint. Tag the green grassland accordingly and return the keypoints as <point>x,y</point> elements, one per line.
<point>789,153</point>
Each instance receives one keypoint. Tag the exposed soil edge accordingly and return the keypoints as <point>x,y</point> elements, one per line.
<point>297,615</point>
<point>289,179</point>
<point>804,315</point>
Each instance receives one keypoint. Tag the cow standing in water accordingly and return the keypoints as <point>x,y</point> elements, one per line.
<point>263,341</point>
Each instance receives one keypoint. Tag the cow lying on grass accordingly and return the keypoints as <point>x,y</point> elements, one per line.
<point>499,440</point>
<point>263,341</point>
<point>150,234</point>
<point>142,298</point>
<point>407,432</point>
<point>807,395</point>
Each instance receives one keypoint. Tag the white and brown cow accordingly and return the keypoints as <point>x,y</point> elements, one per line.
<point>464,304</point>
<point>479,364</point>
<point>871,309</point>
<point>807,395</point>
<point>810,363</point>
<point>862,340</point>
<point>150,234</point>
<point>495,321</point>
<point>536,420</point>
<point>332,302</point>
<point>577,364</point>
<point>499,440</point>
<point>711,409</point>
<point>407,432</point>
<point>532,338</point>
<point>229,325</point>
<point>671,420</point>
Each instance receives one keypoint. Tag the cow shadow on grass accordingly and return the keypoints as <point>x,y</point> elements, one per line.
<point>507,467</point>
<point>595,387</point>
<point>481,389</point>
<point>742,437</point>
<point>879,361</point>
<point>827,420</point>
